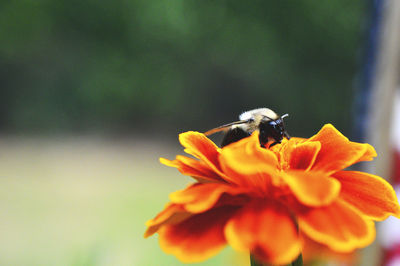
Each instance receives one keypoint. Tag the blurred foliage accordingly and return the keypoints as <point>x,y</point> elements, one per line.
<point>175,65</point>
<point>84,201</point>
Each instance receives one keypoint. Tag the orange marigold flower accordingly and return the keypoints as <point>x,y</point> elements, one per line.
<point>264,200</point>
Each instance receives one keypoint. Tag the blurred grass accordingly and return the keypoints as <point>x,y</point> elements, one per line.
<point>84,201</point>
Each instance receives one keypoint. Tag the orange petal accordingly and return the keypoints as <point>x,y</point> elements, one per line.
<point>304,154</point>
<point>201,197</point>
<point>267,230</point>
<point>201,147</point>
<point>337,152</point>
<point>370,194</point>
<point>172,213</point>
<point>312,188</point>
<point>197,238</point>
<point>339,226</point>
<point>313,251</point>
<point>247,164</point>
<point>369,154</point>
<point>194,168</point>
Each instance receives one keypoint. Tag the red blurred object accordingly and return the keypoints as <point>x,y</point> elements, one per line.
<point>391,228</point>
<point>396,168</point>
<point>392,256</point>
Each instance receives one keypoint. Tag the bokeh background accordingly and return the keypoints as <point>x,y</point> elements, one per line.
<point>93,92</point>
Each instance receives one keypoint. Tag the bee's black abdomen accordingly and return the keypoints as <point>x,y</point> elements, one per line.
<point>234,135</point>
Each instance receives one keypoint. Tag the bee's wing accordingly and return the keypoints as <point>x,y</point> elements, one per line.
<point>224,127</point>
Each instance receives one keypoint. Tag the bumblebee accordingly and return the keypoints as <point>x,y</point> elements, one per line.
<point>269,124</point>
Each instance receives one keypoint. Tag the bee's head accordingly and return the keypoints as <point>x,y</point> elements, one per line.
<point>272,129</point>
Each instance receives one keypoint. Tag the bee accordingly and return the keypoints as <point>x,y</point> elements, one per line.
<point>270,125</point>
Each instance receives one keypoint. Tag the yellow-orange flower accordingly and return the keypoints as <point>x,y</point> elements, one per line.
<point>263,200</point>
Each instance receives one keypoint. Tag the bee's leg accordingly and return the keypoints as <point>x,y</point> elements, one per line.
<point>286,135</point>
<point>263,138</point>
<point>274,143</point>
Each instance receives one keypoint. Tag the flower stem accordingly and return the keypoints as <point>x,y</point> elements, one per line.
<point>297,262</point>
<point>253,261</point>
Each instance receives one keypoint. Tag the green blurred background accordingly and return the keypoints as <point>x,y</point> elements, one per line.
<point>93,92</point>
